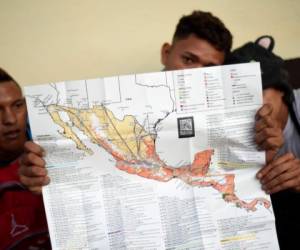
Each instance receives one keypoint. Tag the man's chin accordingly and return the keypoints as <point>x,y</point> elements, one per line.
<point>13,147</point>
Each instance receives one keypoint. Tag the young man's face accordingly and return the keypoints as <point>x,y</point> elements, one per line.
<point>12,119</point>
<point>191,52</point>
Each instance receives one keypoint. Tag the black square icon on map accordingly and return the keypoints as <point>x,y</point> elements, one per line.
<point>185,127</point>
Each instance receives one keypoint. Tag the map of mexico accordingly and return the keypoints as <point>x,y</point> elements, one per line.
<point>191,128</point>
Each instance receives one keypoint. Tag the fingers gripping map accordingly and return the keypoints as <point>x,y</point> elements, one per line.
<point>161,160</point>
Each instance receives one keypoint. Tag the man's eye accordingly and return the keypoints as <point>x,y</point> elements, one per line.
<point>210,65</point>
<point>19,104</point>
<point>187,60</point>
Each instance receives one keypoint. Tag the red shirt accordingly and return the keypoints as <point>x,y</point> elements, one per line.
<point>23,222</point>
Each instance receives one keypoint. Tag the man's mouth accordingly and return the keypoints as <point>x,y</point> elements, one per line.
<point>12,135</point>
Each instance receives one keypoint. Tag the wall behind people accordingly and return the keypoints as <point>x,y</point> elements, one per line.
<point>46,41</point>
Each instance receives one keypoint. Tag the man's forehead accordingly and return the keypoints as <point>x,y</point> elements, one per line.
<point>10,84</point>
<point>196,46</point>
<point>10,89</point>
<point>192,41</point>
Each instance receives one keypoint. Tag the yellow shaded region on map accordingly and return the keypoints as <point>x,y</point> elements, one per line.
<point>238,238</point>
<point>126,136</point>
<point>67,131</point>
<point>235,165</point>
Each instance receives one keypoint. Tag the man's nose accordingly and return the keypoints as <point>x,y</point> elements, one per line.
<point>8,116</point>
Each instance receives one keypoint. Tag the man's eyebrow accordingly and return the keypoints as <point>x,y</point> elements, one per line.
<point>192,55</point>
<point>19,100</point>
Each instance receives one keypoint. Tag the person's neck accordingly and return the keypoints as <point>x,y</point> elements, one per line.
<point>7,157</point>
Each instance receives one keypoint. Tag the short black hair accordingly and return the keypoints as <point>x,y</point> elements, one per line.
<point>204,26</point>
<point>5,77</point>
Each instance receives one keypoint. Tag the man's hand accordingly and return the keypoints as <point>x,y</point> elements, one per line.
<point>282,173</point>
<point>268,134</point>
<point>33,173</point>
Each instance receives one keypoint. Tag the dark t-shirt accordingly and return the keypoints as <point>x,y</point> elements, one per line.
<point>286,204</point>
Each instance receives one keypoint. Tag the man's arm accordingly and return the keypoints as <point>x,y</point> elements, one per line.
<point>33,173</point>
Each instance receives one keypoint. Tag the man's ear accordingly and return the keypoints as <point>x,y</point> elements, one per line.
<point>164,53</point>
